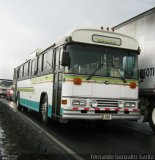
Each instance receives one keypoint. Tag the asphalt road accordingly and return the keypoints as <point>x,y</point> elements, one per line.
<point>92,140</point>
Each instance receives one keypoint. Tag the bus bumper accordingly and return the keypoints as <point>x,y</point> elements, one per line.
<point>92,115</point>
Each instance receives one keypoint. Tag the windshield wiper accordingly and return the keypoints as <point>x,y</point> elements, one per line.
<point>122,77</point>
<point>90,76</point>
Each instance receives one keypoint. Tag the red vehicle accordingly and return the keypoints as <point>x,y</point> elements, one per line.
<point>9,93</point>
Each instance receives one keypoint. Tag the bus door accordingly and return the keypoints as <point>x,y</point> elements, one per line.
<point>57,83</point>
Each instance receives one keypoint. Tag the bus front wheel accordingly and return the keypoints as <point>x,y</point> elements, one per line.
<point>152,116</point>
<point>44,110</point>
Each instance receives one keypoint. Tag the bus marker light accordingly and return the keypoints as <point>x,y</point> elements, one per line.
<point>133,85</point>
<point>64,101</point>
<point>77,81</point>
<point>135,110</point>
<point>116,109</point>
<point>126,109</point>
<point>75,108</point>
<point>86,109</point>
<point>97,109</point>
<point>107,109</point>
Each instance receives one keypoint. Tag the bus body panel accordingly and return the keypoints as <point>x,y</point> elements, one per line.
<point>101,90</point>
<point>30,93</point>
<point>87,36</point>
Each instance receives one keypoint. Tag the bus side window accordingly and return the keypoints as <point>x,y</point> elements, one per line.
<point>57,58</point>
<point>49,60</point>
<point>61,55</point>
<point>40,64</point>
<point>44,62</point>
<point>21,69</point>
<point>33,67</point>
<point>18,73</point>
<point>26,65</point>
<point>28,68</point>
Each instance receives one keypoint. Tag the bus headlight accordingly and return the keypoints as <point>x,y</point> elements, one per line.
<point>120,104</point>
<point>130,104</point>
<point>79,103</point>
<point>94,103</point>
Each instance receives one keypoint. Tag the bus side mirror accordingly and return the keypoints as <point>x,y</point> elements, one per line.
<point>65,59</point>
<point>142,74</point>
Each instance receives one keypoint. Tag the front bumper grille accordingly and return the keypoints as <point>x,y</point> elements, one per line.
<point>107,103</point>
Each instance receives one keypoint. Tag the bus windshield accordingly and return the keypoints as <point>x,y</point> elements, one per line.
<point>102,61</point>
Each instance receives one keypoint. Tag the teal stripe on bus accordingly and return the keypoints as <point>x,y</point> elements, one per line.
<point>34,106</point>
<point>50,111</point>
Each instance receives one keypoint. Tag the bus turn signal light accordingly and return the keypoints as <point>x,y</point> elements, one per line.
<point>77,81</point>
<point>133,85</point>
<point>64,101</point>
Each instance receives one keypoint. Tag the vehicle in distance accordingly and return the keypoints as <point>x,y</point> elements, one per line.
<point>4,85</point>
<point>141,28</point>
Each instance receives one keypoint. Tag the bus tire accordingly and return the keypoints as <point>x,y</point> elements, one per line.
<point>25,109</point>
<point>18,102</point>
<point>152,117</point>
<point>44,110</point>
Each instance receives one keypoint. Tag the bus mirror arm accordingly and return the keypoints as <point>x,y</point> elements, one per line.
<point>66,59</point>
<point>140,81</point>
<point>142,74</point>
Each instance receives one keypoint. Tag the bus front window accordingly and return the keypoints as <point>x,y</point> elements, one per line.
<point>102,61</point>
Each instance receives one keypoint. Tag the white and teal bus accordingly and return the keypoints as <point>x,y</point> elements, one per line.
<point>88,74</point>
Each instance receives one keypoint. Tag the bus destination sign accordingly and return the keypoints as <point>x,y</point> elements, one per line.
<point>106,40</point>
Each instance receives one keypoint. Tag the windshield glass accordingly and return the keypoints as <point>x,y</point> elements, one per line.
<point>6,83</point>
<point>105,61</point>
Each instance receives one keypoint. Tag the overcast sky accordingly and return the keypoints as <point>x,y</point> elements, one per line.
<point>26,25</point>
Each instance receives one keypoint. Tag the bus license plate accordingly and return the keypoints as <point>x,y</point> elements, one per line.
<point>106,116</point>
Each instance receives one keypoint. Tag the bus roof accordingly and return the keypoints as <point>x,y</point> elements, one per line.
<point>93,36</point>
<point>97,37</point>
